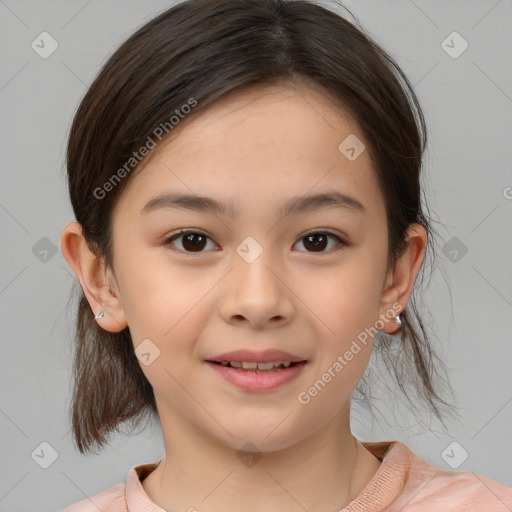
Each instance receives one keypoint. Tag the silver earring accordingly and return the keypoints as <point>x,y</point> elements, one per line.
<point>101,314</point>
<point>398,320</point>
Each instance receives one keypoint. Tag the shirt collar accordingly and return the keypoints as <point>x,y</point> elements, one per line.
<point>385,486</point>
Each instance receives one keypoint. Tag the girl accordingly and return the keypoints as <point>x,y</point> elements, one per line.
<point>245,176</point>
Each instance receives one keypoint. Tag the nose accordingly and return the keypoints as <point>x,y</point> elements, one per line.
<point>257,294</point>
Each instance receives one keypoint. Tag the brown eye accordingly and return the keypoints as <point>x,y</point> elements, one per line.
<point>194,241</point>
<point>191,241</point>
<point>318,241</point>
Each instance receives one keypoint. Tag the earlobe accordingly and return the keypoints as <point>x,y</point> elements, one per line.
<point>91,273</point>
<point>400,280</point>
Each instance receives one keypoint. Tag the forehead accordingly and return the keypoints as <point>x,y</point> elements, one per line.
<point>286,110</point>
<point>279,140</point>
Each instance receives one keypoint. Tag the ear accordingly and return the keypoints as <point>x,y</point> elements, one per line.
<point>400,280</point>
<point>97,282</point>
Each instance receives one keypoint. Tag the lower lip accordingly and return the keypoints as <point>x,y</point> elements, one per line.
<point>252,381</point>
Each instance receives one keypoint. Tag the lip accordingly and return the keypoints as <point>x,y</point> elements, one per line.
<point>251,356</point>
<point>253,381</point>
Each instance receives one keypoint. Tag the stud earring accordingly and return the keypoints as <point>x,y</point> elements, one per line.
<point>398,320</point>
<point>101,314</point>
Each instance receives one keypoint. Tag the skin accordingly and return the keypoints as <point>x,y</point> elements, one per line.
<point>255,148</point>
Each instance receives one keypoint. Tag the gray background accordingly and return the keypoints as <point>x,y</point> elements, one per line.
<point>468,106</point>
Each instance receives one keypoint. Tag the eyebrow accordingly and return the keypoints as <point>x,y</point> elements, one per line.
<point>293,206</point>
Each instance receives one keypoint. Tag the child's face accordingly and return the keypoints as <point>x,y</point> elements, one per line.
<point>257,150</point>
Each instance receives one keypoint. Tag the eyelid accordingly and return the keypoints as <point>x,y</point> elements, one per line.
<point>327,231</point>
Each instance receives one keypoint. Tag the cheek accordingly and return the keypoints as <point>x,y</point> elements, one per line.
<point>160,297</point>
<point>167,310</point>
<point>345,298</point>
<point>171,314</point>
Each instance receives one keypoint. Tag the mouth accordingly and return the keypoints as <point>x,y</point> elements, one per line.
<point>256,367</point>
<point>256,377</point>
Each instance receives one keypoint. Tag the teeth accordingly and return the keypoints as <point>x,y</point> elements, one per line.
<point>253,365</point>
<point>265,366</point>
<point>245,365</point>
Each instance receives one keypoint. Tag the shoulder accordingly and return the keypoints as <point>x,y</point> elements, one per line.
<point>456,491</point>
<point>109,500</point>
<point>429,488</point>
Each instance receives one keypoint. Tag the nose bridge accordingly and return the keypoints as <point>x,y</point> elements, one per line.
<point>253,264</point>
<point>255,288</point>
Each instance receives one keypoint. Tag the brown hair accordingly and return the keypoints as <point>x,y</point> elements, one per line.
<point>205,50</point>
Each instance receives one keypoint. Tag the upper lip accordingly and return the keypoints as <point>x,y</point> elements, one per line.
<point>250,356</point>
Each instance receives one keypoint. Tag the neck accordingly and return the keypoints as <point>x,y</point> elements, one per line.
<point>323,472</point>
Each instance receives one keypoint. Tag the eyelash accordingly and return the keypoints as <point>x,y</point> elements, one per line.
<point>171,238</point>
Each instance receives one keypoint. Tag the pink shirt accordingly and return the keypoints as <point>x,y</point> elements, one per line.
<point>404,482</point>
